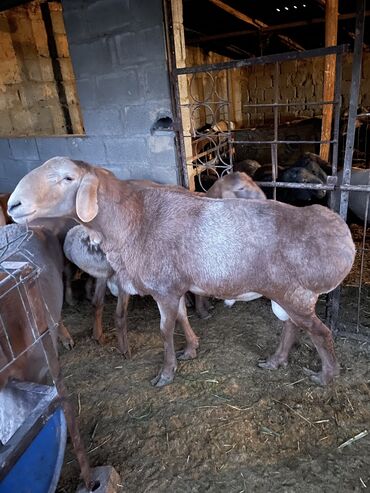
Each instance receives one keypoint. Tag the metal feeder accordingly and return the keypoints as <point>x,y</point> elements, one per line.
<point>34,416</point>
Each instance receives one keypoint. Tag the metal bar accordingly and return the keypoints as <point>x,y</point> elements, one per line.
<point>337,99</point>
<point>299,103</point>
<point>363,249</point>
<point>351,128</point>
<point>282,141</point>
<point>354,188</point>
<point>274,147</point>
<point>175,94</point>
<point>315,186</point>
<point>353,103</point>
<point>303,186</point>
<point>263,60</point>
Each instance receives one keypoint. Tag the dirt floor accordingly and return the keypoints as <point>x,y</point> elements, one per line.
<point>224,425</point>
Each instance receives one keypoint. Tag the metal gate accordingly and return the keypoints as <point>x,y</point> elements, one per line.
<point>214,139</point>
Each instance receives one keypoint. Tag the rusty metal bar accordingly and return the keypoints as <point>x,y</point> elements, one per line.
<point>282,141</point>
<point>312,103</point>
<point>263,60</point>
<point>316,186</point>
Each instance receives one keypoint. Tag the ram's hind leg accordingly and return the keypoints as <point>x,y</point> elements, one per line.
<point>192,344</point>
<point>280,357</point>
<point>322,338</point>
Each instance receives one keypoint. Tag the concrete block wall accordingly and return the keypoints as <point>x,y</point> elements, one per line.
<point>118,54</point>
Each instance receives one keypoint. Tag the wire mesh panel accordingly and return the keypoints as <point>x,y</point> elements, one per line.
<point>22,315</point>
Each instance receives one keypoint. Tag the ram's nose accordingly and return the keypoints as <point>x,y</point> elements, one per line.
<point>13,205</point>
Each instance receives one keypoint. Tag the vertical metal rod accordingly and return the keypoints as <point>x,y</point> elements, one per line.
<point>362,259</point>
<point>337,110</point>
<point>351,127</point>
<point>353,104</point>
<point>175,93</point>
<point>229,137</point>
<point>332,300</point>
<point>274,146</point>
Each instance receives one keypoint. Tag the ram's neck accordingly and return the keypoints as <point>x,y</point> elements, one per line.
<point>119,216</point>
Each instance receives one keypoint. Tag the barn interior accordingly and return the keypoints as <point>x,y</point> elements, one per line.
<point>185,92</point>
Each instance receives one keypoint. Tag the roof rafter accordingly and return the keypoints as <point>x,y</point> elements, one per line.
<point>276,27</point>
<point>256,23</point>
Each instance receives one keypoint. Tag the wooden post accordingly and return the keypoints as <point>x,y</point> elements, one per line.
<point>331,31</point>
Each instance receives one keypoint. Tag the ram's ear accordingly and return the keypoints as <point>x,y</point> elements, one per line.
<point>87,198</point>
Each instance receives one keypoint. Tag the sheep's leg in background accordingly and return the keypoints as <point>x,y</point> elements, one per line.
<point>202,307</point>
<point>89,287</point>
<point>121,324</point>
<point>98,303</point>
<point>64,336</point>
<point>169,309</point>
<point>192,341</point>
<point>68,274</point>
<point>280,357</point>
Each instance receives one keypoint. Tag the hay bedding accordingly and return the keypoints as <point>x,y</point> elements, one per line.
<point>224,425</point>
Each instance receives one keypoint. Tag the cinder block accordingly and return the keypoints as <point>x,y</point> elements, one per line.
<point>121,88</point>
<point>269,95</point>
<point>147,13</point>
<point>264,82</point>
<point>130,47</point>
<point>289,67</point>
<point>11,172</point>
<point>86,91</point>
<point>138,119</point>
<point>5,152</point>
<point>90,149</point>
<point>162,150</point>
<point>24,149</point>
<point>166,175</point>
<point>252,82</point>
<point>75,25</point>
<point>103,122</point>
<point>49,147</point>
<point>156,82</point>
<point>105,16</point>
<point>122,171</point>
<point>126,151</point>
<point>91,58</point>
<point>153,43</point>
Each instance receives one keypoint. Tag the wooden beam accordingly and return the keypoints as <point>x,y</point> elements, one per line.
<point>256,23</point>
<point>331,33</point>
<point>275,27</point>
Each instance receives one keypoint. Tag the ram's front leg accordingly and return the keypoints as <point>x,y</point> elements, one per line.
<point>168,309</point>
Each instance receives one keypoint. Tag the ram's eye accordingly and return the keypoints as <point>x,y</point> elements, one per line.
<point>68,178</point>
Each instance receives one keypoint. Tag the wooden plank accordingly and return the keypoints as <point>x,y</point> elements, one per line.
<point>331,32</point>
